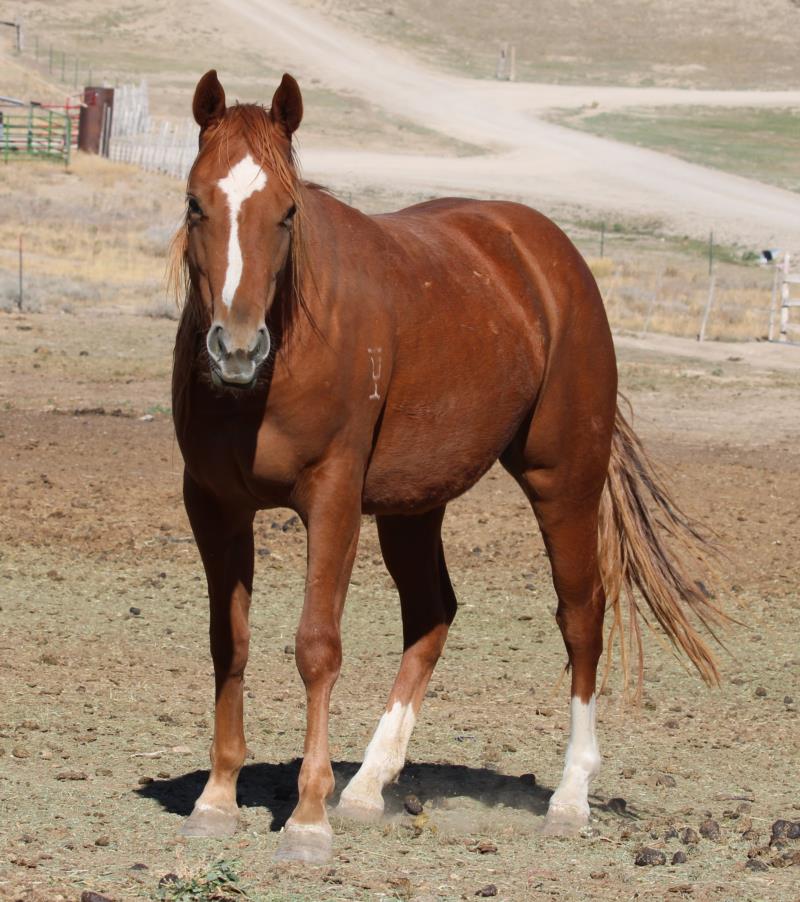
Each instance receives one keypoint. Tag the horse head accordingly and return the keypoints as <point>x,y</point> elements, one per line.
<point>242,197</point>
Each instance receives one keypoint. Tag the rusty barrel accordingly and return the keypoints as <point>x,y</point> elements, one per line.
<point>94,126</point>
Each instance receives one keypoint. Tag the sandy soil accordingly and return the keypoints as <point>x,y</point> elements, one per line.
<point>540,161</point>
<point>107,690</point>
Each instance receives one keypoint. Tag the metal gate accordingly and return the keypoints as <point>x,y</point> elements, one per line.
<point>35,133</point>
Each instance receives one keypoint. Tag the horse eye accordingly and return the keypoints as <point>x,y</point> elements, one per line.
<point>286,222</point>
<point>194,207</point>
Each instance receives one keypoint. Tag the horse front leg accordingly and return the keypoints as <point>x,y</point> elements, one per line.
<point>332,512</point>
<point>225,541</point>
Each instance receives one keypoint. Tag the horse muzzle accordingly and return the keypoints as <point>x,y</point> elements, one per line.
<point>236,363</point>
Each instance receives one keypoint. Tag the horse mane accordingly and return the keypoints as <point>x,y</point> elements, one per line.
<point>252,123</point>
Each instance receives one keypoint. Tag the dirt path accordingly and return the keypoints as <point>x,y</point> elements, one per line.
<point>539,162</point>
<point>107,691</point>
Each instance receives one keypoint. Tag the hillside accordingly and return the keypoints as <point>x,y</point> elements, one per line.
<point>675,43</point>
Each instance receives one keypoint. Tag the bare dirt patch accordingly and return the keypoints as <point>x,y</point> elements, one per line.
<point>107,693</point>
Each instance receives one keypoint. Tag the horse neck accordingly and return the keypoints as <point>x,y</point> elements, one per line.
<point>326,220</point>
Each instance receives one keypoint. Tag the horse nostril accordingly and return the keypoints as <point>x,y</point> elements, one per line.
<point>261,347</point>
<point>214,342</point>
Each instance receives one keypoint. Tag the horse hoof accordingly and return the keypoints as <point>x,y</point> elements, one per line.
<point>305,842</point>
<point>361,811</point>
<point>210,822</point>
<point>564,821</point>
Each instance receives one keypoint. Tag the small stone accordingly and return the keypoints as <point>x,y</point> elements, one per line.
<point>710,829</point>
<point>487,891</point>
<point>168,879</point>
<point>617,805</point>
<point>103,772</point>
<point>412,804</point>
<point>628,772</point>
<point>794,831</point>
<point>19,751</point>
<point>89,896</point>
<point>139,867</point>
<point>648,856</point>
<point>788,700</point>
<point>750,835</point>
<point>780,830</point>
<point>144,781</point>
<point>755,864</point>
<point>485,847</point>
<point>71,775</point>
<point>761,692</point>
<point>135,611</point>
<point>679,858</point>
<point>665,780</point>
<point>598,875</point>
<point>671,724</point>
<point>102,841</point>
<point>288,649</point>
<point>689,836</point>
<point>782,861</point>
<point>670,833</point>
<point>527,779</point>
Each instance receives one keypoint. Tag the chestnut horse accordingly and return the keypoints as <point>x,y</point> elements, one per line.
<point>339,364</point>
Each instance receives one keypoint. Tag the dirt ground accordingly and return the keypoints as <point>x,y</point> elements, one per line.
<point>107,689</point>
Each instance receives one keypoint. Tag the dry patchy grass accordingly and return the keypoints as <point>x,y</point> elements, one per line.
<point>679,43</point>
<point>761,144</point>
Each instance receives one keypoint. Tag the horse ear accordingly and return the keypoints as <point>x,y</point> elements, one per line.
<point>208,105</point>
<point>287,105</point>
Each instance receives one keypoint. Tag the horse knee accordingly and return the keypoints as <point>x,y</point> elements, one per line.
<point>318,654</point>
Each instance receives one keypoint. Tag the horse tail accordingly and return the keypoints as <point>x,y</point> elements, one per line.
<point>642,533</point>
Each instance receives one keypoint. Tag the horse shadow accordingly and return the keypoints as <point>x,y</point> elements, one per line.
<point>274,786</point>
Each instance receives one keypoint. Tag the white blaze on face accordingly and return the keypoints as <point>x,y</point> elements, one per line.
<point>244,179</point>
<point>383,759</point>
<point>582,760</point>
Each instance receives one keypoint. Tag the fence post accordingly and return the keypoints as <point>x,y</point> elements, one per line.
<point>785,299</point>
<point>773,304</point>
<point>701,335</point>
<point>512,63</point>
<point>19,302</point>
<point>710,252</point>
<point>502,56</point>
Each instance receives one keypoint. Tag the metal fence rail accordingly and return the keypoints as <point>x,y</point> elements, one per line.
<point>36,133</point>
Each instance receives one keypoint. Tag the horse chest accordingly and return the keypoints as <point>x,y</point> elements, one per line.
<point>242,462</point>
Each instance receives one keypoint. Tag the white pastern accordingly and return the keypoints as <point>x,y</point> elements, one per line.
<point>244,179</point>
<point>383,759</point>
<point>582,761</point>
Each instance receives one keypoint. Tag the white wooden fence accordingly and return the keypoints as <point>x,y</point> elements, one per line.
<point>783,301</point>
<point>156,145</point>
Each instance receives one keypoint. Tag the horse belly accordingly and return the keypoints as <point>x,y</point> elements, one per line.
<point>443,429</point>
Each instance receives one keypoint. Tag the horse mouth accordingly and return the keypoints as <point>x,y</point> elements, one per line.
<point>219,381</point>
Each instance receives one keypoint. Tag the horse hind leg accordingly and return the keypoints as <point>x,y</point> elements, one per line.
<point>565,496</point>
<point>412,550</point>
